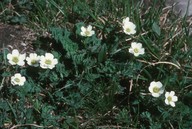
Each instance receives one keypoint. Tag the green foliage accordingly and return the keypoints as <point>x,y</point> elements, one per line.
<point>62,36</point>
<point>97,83</point>
<point>156,29</point>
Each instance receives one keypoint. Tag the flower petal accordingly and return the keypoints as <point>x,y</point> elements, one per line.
<point>89,28</point>
<point>82,33</point>
<point>55,61</point>
<point>17,75</point>
<point>49,55</point>
<point>131,50</point>
<point>21,63</point>
<point>142,51</point>
<point>136,54</point>
<point>167,94</point>
<point>172,104</point>
<point>153,83</point>
<point>125,20</point>
<point>83,29</point>
<point>9,56</point>
<point>151,88</point>
<point>15,52</point>
<point>134,45</point>
<point>159,84</point>
<point>92,33</point>
<point>155,94</point>
<point>166,102</point>
<point>174,98</point>
<point>139,45</point>
<point>172,93</point>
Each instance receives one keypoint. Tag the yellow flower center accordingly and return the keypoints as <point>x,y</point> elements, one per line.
<point>33,62</point>
<point>136,50</point>
<point>169,98</point>
<point>15,59</point>
<point>87,33</point>
<point>156,90</point>
<point>48,62</point>
<point>128,30</point>
<point>17,80</point>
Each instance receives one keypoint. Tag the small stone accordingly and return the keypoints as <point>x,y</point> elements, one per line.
<point>181,7</point>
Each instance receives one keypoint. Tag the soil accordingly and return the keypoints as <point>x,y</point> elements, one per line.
<point>16,37</point>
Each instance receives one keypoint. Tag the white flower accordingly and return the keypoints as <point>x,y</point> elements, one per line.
<point>48,61</point>
<point>136,49</point>
<point>15,58</point>
<point>17,79</point>
<point>33,59</point>
<point>170,98</point>
<point>156,88</point>
<point>87,31</point>
<point>128,26</point>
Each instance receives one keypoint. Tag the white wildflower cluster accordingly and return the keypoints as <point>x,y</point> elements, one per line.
<point>157,89</point>
<point>46,61</point>
<point>129,28</point>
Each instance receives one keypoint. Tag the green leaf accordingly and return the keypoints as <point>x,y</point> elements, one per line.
<point>6,74</point>
<point>187,99</point>
<point>156,28</point>
<point>102,53</point>
<point>62,37</point>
